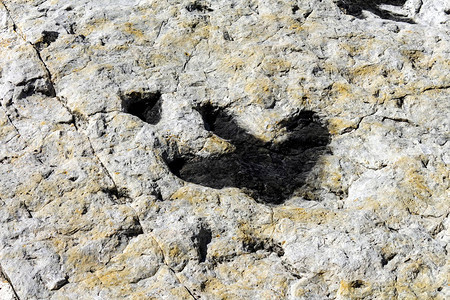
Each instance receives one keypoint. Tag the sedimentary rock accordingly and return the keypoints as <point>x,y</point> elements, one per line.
<point>224,149</point>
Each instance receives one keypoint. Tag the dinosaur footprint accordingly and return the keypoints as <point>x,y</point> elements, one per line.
<point>268,172</point>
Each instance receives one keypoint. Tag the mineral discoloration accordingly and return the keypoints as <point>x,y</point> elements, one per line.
<point>114,114</point>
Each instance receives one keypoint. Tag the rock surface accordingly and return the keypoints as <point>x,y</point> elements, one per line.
<point>256,149</point>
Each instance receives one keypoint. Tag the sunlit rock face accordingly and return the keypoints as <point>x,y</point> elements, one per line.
<point>224,149</point>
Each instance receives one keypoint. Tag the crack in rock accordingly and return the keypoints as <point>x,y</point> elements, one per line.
<point>5,276</point>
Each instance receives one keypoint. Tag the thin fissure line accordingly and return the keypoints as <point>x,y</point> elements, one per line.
<point>6,277</point>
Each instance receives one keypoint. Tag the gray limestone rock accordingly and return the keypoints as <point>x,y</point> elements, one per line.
<point>224,149</point>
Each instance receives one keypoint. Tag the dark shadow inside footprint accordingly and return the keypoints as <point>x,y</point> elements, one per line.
<point>48,37</point>
<point>355,8</point>
<point>146,106</point>
<point>267,171</point>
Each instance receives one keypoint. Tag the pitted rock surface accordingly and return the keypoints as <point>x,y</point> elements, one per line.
<point>256,149</point>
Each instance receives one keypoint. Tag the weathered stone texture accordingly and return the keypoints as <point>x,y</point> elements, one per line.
<point>116,117</point>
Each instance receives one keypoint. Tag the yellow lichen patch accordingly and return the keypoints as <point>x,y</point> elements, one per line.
<point>204,32</point>
<point>415,194</point>
<point>130,29</point>
<point>216,145</point>
<point>340,125</point>
<point>355,289</point>
<point>265,275</point>
<point>126,290</point>
<point>249,57</point>
<point>415,281</point>
<point>86,279</point>
<point>369,203</point>
<point>259,89</point>
<point>341,92</point>
<point>165,280</point>
<point>247,274</point>
<point>113,277</point>
<point>186,39</point>
<point>332,68</point>
<point>294,25</point>
<point>233,63</point>
<point>160,59</point>
<point>352,50</point>
<point>313,26</point>
<point>215,286</point>
<point>376,76</point>
<point>330,173</point>
<point>367,70</point>
<point>416,57</point>
<point>194,195</point>
<point>81,262</point>
<point>275,65</point>
<point>416,182</point>
<point>297,94</point>
<point>95,25</point>
<point>412,282</point>
<point>302,215</point>
<point>128,266</point>
<point>437,64</point>
<point>6,42</point>
<point>174,251</point>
